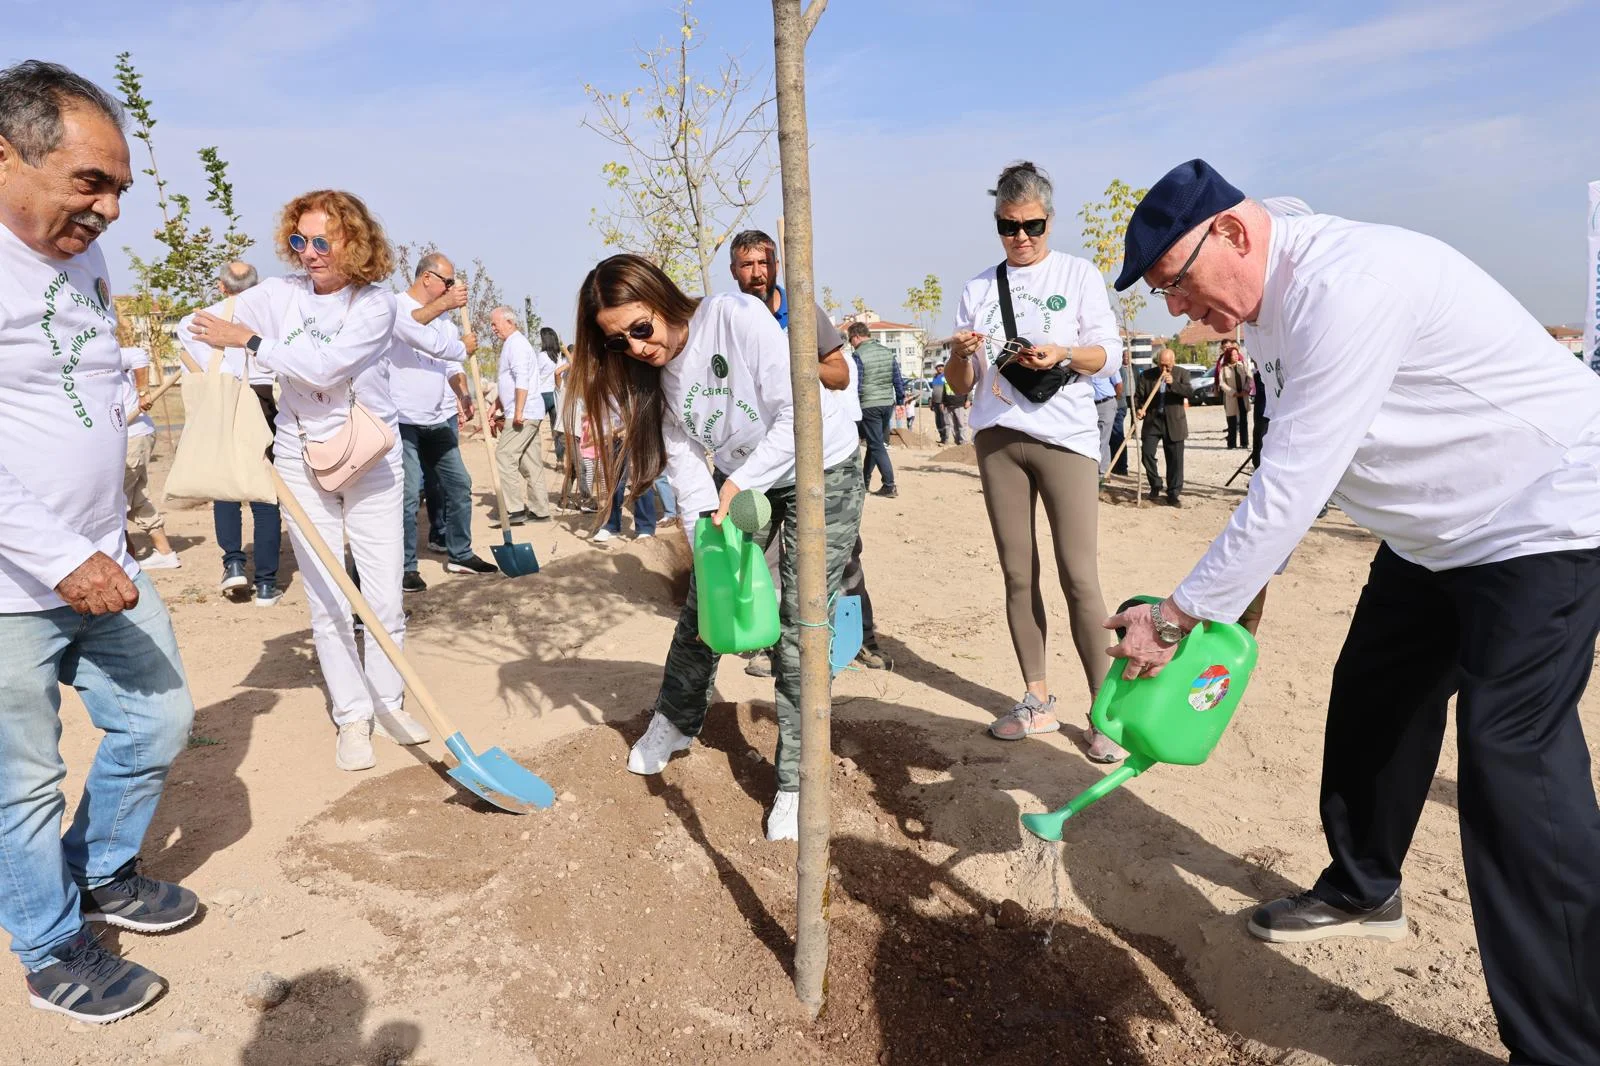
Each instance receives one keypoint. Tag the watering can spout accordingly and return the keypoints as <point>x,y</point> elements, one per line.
<point>1047,826</point>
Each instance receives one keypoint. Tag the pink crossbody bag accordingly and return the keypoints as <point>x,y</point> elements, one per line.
<point>354,449</point>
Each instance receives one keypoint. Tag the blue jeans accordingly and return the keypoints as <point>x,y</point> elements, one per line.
<point>437,450</point>
<point>126,668</point>
<point>644,508</point>
<point>669,501</point>
<point>875,425</point>
<point>229,520</point>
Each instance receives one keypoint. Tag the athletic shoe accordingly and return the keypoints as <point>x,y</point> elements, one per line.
<point>538,517</point>
<point>92,985</point>
<point>413,582</point>
<point>132,901</point>
<point>1026,718</point>
<point>1101,748</point>
<point>268,595</point>
<point>517,519</point>
<point>650,754</point>
<point>470,565</point>
<point>643,536</point>
<point>888,491</point>
<point>873,659</point>
<point>353,750</point>
<point>233,578</point>
<point>602,535</point>
<point>438,547</point>
<point>784,821</point>
<point>1303,917</point>
<point>160,561</point>
<point>399,727</point>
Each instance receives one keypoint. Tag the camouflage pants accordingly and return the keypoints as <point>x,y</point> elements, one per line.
<point>691,667</point>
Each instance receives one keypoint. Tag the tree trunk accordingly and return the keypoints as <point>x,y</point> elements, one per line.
<point>816,764</point>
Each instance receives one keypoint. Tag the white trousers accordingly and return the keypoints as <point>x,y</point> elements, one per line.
<point>369,512</point>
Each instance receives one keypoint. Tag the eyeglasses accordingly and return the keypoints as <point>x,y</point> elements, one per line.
<point>1033,227</point>
<point>639,331</point>
<point>319,243</point>
<point>446,282</point>
<point>1175,286</point>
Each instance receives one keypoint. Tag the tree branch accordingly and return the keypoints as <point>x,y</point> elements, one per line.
<point>813,15</point>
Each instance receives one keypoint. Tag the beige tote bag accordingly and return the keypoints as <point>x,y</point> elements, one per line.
<point>224,440</point>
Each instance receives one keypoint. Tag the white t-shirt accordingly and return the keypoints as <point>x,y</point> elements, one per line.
<point>728,395</point>
<point>1411,388</point>
<point>139,422</point>
<point>1061,300</point>
<point>519,370</point>
<point>422,360</point>
<point>235,361</point>
<point>547,370</point>
<point>63,431</point>
<point>318,346</point>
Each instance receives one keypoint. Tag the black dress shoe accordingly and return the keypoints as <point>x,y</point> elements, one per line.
<point>1301,918</point>
<point>1173,501</point>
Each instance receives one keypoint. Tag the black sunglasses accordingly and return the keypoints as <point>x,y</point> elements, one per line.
<point>298,242</point>
<point>639,331</point>
<point>1033,227</point>
<point>446,282</point>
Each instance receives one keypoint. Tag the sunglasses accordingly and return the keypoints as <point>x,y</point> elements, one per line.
<point>639,331</point>
<point>446,282</point>
<point>1033,227</point>
<point>319,244</point>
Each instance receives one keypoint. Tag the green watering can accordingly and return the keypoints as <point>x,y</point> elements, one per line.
<point>1175,717</point>
<point>737,606</point>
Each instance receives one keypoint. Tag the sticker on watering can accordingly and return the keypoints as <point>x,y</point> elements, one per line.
<point>1209,688</point>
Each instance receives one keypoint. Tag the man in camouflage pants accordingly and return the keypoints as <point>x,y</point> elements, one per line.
<point>691,667</point>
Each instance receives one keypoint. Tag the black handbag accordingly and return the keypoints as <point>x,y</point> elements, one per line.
<point>1036,385</point>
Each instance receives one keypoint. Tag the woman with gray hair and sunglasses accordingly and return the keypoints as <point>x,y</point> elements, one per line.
<point>1030,334</point>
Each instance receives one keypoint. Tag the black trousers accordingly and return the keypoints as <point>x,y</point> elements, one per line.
<point>1173,450</point>
<point>1239,426</point>
<point>1513,642</point>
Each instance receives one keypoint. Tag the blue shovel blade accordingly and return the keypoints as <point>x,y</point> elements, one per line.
<point>846,632</point>
<point>515,560</point>
<point>498,778</point>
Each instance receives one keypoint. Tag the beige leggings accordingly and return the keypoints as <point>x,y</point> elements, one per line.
<point>1017,470</point>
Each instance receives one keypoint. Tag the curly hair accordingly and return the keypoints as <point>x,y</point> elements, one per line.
<point>363,254</point>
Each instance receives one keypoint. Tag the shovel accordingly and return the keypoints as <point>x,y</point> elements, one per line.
<point>514,560</point>
<point>492,775</point>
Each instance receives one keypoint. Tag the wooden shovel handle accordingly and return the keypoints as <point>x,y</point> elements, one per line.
<point>1126,437</point>
<point>363,609</point>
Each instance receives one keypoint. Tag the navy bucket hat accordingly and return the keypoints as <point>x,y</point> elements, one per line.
<point>1185,196</point>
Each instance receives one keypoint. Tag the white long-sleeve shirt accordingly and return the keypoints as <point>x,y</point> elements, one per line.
<point>547,369</point>
<point>1409,386</point>
<point>519,370</point>
<point>140,424</point>
<point>422,360</point>
<point>318,346</point>
<point>1061,300</point>
<point>63,437</point>
<point>728,395</point>
<point>235,361</point>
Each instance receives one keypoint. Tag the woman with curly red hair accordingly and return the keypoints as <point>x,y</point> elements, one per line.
<point>325,331</point>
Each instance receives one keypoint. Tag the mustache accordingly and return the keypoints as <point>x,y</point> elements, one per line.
<point>91,220</point>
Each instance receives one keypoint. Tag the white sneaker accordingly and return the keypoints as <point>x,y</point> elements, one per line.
<point>602,535</point>
<point>399,727</point>
<point>643,536</point>
<point>784,821</point>
<point>650,754</point>
<point>160,561</point>
<point>354,750</point>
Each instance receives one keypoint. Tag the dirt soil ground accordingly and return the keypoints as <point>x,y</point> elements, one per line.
<point>648,920</point>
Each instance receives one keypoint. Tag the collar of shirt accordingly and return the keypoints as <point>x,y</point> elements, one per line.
<point>1272,284</point>
<point>782,313</point>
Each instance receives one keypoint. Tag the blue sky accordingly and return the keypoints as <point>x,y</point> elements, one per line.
<point>460,122</point>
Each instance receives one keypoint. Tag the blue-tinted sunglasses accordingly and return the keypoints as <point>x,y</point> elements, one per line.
<point>298,242</point>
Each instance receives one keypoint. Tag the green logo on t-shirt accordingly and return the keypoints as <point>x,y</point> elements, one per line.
<point>1056,303</point>
<point>719,366</point>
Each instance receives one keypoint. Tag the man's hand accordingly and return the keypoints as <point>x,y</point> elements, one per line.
<point>467,410</point>
<point>453,297</point>
<point>516,424</point>
<point>1145,652</point>
<point>99,586</point>
<point>470,343</point>
<point>729,491</point>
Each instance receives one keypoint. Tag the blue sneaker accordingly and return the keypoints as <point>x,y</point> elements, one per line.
<point>132,901</point>
<point>91,984</point>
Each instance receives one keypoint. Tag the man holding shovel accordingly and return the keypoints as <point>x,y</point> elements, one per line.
<point>519,408</point>
<point>1474,453</point>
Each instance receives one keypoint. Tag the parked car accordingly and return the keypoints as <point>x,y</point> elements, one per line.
<point>918,390</point>
<point>1204,380</point>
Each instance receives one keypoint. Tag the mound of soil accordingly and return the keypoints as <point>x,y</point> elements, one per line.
<point>648,920</point>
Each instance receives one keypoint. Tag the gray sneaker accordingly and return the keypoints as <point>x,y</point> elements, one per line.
<point>1303,917</point>
<point>1026,718</point>
<point>131,900</point>
<point>91,984</point>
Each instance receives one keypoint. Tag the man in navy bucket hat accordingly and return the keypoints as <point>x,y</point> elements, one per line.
<point>1394,367</point>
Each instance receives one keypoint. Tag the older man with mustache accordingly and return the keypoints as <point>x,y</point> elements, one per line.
<point>1407,384</point>
<point>74,607</point>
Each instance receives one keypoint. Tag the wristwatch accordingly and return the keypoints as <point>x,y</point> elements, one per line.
<point>254,343</point>
<point>1167,632</point>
